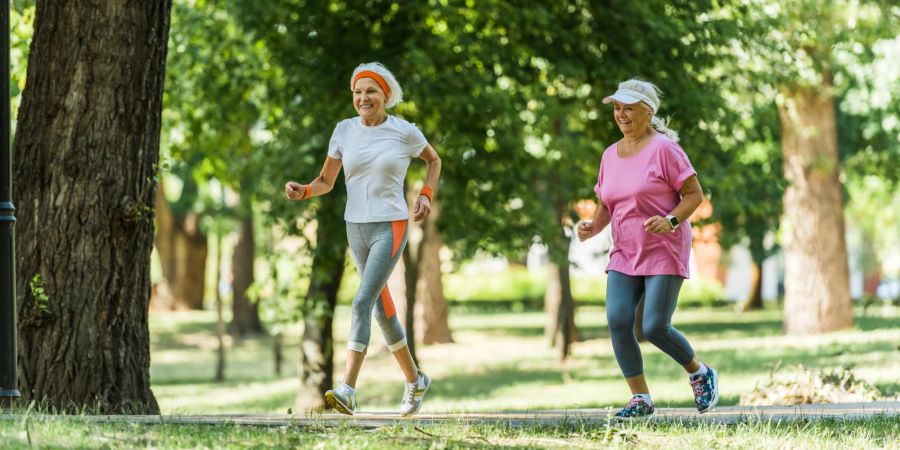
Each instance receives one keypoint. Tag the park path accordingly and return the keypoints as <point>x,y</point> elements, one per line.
<point>721,415</point>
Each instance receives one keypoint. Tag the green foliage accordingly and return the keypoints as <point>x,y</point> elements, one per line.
<point>21,30</point>
<point>39,294</point>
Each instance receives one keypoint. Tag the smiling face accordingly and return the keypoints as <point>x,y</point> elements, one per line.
<point>633,119</point>
<point>368,99</point>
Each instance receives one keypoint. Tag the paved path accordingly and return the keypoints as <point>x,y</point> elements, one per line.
<point>725,414</point>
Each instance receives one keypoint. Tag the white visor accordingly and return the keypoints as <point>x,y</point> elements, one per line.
<point>630,97</point>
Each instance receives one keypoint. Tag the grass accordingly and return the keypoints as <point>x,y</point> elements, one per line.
<point>42,432</point>
<point>500,361</point>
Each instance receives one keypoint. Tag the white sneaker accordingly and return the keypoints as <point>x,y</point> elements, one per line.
<point>342,399</point>
<point>413,394</point>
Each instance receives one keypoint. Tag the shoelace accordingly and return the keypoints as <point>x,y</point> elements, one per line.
<point>411,392</point>
<point>697,384</point>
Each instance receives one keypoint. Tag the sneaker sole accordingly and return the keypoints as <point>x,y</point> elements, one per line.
<point>336,404</point>
<point>633,419</point>
<point>417,408</point>
<point>715,399</point>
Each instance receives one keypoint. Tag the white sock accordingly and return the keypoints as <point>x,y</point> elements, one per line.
<point>347,386</point>
<point>645,397</point>
<point>701,371</point>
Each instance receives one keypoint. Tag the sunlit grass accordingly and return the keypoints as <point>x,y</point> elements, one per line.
<point>501,362</point>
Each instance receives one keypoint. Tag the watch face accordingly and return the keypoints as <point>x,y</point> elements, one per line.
<point>673,220</point>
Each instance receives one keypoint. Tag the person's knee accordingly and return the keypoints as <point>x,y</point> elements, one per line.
<point>655,330</point>
<point>620,323</point>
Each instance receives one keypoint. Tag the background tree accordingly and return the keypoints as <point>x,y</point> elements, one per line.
<point>795,45</point>
<point>216,113</point>
<point>87,146</point>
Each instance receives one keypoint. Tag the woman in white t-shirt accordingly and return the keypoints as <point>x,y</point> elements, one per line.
<point>375,150</point>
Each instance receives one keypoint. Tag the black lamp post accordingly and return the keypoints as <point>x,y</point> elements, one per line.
<point>8,383</point>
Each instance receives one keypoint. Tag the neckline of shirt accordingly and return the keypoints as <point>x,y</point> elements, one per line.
<point>647,145</point>
<point>373,127</point>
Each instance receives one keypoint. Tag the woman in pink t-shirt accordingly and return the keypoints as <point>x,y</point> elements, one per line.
<point>647,189</point>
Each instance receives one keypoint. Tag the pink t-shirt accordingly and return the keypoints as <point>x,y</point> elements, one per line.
<point>639,187</point>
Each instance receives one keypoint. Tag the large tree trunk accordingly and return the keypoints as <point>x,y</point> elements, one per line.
<point>245,311</point>
<point>432,326</point>
<point>87,147</point>
<point>317,343</point>
<point>183,250</point>
<point>817,287</point>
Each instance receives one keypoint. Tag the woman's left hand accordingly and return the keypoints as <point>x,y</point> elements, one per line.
<point>422,209</point>
<point>657,225</point>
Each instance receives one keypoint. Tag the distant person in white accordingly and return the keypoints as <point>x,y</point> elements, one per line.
<point>375,150</point>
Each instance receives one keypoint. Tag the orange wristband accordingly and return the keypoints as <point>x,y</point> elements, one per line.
<point>426,191</point>
<point>307,192</point>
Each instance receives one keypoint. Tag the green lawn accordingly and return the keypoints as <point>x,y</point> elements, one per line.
<point>501,362</point>
<point>32,432</point>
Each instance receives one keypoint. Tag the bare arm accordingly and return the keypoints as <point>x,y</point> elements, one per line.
<point>321,185</point>
<point>432,172</point>
<point>691,198</point>
<point>587,230</point>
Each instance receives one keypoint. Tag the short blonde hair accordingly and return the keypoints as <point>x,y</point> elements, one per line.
<point>395,94</point>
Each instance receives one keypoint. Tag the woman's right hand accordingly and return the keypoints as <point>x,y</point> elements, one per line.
<point>293,190</point>
<point>585,231</point>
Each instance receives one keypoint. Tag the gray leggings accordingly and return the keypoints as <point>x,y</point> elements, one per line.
<point>623,292</point>
<point>376,247</point>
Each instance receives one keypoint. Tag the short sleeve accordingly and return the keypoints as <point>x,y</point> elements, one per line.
<point>336,145</point>
<point>676,166</point>
<point>599,181</point>
<point>415,141</point>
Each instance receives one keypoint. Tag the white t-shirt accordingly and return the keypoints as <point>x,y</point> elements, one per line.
<point>375,161</point>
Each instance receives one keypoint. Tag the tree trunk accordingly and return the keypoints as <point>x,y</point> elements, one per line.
<point>817,286</point>
<point>560,306</point>
<point>183,250</point>
<point>220,321</point>
<point>754,300</point>
<point>410,276</point>
<point>431,306</point>
<point>317,343</point>
<point>245,311</point>
<point>88,146</point>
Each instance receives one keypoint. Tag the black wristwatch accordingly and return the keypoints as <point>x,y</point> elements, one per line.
<point>673,221</point>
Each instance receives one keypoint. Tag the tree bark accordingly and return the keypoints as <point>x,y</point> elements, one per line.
<point>817,286</point>
<point>88,146</point>
<point>432,312</point>
<point>317,343</point>
<point>245,312</point>
<point>183,250</point>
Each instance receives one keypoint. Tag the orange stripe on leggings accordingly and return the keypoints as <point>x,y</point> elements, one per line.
<point>399,227</point>
<point>388,303</point>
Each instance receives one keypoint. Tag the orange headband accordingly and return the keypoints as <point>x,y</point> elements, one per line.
<point>376,77</point>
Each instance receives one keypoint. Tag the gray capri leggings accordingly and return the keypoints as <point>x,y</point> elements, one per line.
<point>376,247</point>
<point>623,292</point>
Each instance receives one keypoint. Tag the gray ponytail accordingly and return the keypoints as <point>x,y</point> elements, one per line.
<point>662,126</point>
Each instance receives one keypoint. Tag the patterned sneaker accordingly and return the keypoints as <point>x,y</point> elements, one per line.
<point>413,393</point>
<point>706,390</point>
<point>342,399</point>
<point>637,409</point>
